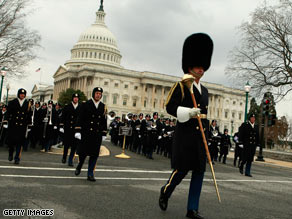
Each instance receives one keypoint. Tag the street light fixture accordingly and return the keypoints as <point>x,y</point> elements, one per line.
<point>247,88</point>
<point>3,74</point>
<point>8,88</point>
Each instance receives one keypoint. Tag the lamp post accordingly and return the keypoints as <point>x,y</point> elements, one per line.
<point>8,88</point>
<point>3,73</point>
<point>247,88</point>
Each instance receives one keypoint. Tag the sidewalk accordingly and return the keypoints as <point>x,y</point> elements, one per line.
<point>268,161</point>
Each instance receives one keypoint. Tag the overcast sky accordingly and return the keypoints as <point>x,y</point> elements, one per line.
<point>149,34</point>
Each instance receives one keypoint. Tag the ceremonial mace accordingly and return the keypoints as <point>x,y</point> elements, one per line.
<point>188,80</point>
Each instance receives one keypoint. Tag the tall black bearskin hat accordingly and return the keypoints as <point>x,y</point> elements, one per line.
<point>197,52</point>
<point>75,95</point>
<point>96,89</point>
<point>50,102</point>
<point>21,91</point>
<point>155,114</point>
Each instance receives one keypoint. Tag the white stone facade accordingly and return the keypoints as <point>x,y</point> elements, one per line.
<point>95,61</point>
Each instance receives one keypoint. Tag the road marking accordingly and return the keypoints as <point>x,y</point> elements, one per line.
<point>98,170</point>
<point>142,179</point>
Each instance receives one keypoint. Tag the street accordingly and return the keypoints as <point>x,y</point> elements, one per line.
<point>129,188</point>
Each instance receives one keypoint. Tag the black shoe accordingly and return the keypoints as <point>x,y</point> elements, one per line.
<point>77,171</point>
<point>91,178</point>
<point>63,160</point>
<point>16,162</point>
<point>224,162</point>
<point>70,165</point>
<point>10,158</point>
<point>248,175</point>
<point>241,169</point>
<point>163,200</point>
<point>194,214</point>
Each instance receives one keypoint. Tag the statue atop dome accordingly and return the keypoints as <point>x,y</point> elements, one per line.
<point>101,6</point>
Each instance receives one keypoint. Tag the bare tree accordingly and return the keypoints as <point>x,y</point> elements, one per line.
<point>17,41</point>
<point>264,55</point>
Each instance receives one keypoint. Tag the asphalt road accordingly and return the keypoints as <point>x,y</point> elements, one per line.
<point>129,188</point>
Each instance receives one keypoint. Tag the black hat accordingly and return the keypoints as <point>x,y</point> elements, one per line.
<point>50,102</point>
<point>37,102</point>
<point>130,115</point>
<point>141,114</point>
<point>31,100</point>
<point>213,121</point>
<point>147,115</point>
<point>44,104</point>
<point>251,115</point>
<point>197,52</point>
<point>75,95</point>
<point>225,130</point>
<point>4,106</point>
<point>168,119</point>
<point>117,117</point>
<point>96,89</point>
<point>155,114</point>
<point>135,115</point>
<point>112,113</point>
<point>21,91</point>
<point>58,104</point>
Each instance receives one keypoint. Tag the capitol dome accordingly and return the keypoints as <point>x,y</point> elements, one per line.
<point>96,45</point>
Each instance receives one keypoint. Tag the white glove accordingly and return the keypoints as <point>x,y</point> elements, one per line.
<point>5,126</point>
<point>209,143</point>
<point>78,135</point>
<point>137,128</point>
<point>61,130</point>
<point>194,112</point>
<point>139,136</point>
<point>159,137</point>
<point>241,145</point>
<point>55,127</point>
<point>103,138</point>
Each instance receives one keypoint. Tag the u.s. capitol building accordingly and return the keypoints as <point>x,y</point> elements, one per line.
<point>96,61</point>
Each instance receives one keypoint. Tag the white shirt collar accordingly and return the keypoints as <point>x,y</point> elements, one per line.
<point>252,125</point>
<point>21,101</point>
<point>198,86</point>
<point>95,103</point>
<point>75,105</point>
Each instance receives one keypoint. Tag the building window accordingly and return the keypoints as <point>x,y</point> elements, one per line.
<point>126,86</point>
<point>134,103</point>
<point>234,102</point>
<point>154,104</point>
<point>233,115</point>
<point>145,103</point>
<point>106,83</point>
<point>239,116</point>
<point>146,89</point>
<point>136,88</point>
<point>124,102</point>
<point>116,85</point>
<point>240,103</point>
<point>115,98</point>
<point>226,114</point>
<point>104,97</point>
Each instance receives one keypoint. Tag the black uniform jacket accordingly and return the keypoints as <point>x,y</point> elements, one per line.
<point>69,120</point>
<point>188,147</point>
<point>93,124</point>
<point>18,118</point>
<point>249,136</point>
